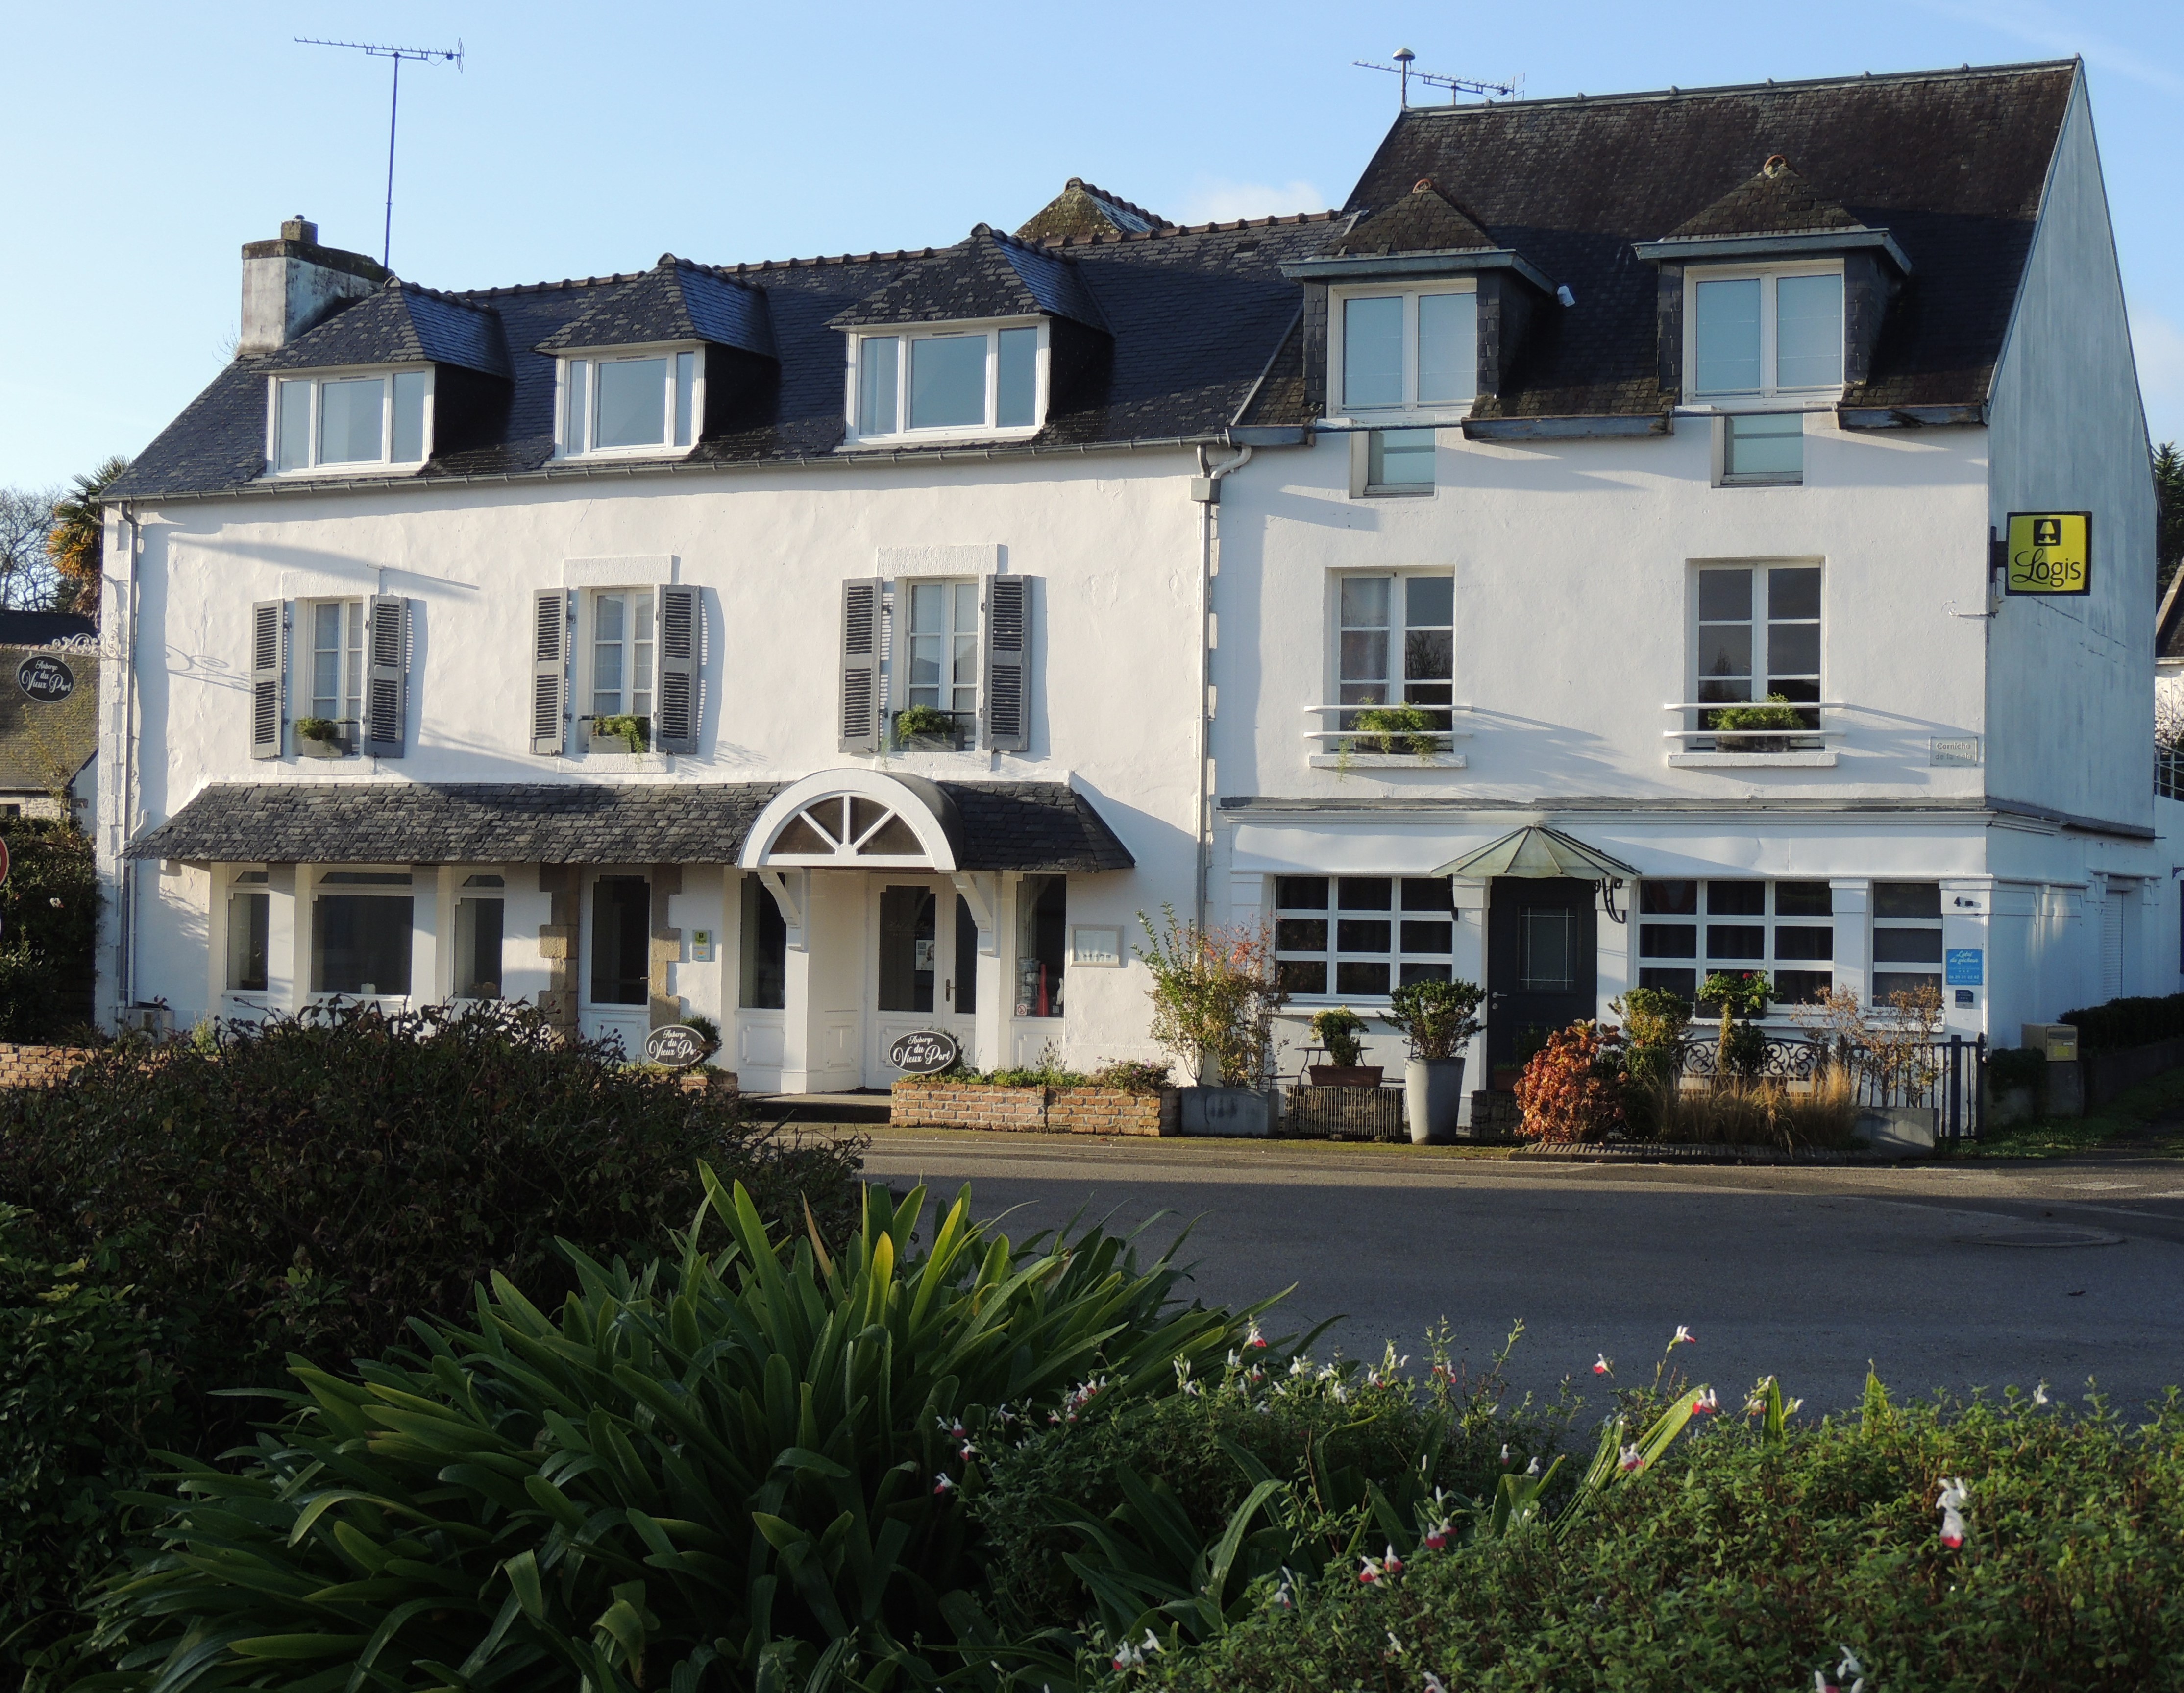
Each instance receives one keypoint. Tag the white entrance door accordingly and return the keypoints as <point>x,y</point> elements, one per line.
<point>615,966</point>
<point>925,967</point>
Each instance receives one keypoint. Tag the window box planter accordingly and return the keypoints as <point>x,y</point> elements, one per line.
<point>626,736</point>
<point>322,737</point>
<point>928,729</point>
<point>1345,1075</point>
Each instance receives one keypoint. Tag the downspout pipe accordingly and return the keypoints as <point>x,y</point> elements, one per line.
<point>126,602</point>
<point>1206,489</point>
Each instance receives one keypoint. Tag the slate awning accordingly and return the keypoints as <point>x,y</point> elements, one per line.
<point>1539,852</point>
<point>1033,826</point>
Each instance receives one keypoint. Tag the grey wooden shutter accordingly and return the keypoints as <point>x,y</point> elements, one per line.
<point>386,674</point>
<point>1005,695</point>
<point>266,679</point>
<point>675,727</point>
<point>860,666</point>
<point>550,664</point>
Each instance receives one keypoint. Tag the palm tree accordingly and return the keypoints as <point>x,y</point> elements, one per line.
<point>77,539</point>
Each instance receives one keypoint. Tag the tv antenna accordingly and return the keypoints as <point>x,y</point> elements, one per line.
<point>373,50</point>
<point>1455,85</point>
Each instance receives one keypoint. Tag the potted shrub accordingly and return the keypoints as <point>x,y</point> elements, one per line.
<point>925,728</point>
<point>1341,1031</point>
<point>1775,712</point>
<point>1439,1018</point>
<point>634,733</point>
<point>1214,997</point>
<point>320,737</point>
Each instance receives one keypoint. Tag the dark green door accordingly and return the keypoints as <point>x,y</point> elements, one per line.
<point>1541,965</point>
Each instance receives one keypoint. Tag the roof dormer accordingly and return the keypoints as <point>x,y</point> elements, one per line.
<point>1775,294</point>
<point>980,341</point>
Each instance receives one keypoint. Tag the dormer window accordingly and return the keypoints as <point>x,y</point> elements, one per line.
<point>1769,332</point>
<point>957,380</point>
<point>351,420</point>
<point>630,405</point>
<point>1411,350</point>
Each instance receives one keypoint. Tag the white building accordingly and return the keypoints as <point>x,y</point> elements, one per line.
<point>1584,418</point>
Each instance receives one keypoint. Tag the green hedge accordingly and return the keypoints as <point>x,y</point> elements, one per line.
<point>1742,1563</point>
<point>2120,1023</point>
<point>48,929</point>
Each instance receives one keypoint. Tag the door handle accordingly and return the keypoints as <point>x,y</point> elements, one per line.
<point>949,992</point>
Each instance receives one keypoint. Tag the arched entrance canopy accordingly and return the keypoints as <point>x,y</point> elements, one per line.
<point>857,819</point>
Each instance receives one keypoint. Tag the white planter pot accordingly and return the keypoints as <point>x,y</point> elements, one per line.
<point>1432,1097</point>
<point>1227,1111</point>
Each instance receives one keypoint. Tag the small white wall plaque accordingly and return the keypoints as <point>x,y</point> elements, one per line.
<point>1096,948</point>
<point>701,946</point>
<point>1944,749</point>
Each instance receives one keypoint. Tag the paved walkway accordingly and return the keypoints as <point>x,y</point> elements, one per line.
<point>1949,1275</point>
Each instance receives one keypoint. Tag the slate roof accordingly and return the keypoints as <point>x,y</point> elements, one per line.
<point>673,301</point>
<point>1775,201</point>
<point>1952,163</point>
<point>402,324</point>
<point>36,628</point>
<point>1007,826</point>
<point>986,275</point>
<point>1080,209</point>
<point>1424,220</point>
<point>41,745</point>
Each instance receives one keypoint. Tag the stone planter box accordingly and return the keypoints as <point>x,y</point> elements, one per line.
<point>309,746</point>
<point>1227,1111</point>
<point>916,1104</point>
<point>1901,1131</point>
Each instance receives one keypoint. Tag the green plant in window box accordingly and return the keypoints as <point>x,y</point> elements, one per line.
<point>1775,712</point>
<point>924,726</point>
<point>319,737</point>
<point>1341,1031</point>
<point>1389,729</point>
<point>635,733</point>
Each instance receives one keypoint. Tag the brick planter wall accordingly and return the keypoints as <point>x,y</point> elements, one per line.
<point>1047,1111</point>
<point>38,1066</point>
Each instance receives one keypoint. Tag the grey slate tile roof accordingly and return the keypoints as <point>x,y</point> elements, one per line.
<point>42,745</point>
<point>1008,826</point>
<point>402,324</point>
<point>673,301</point>
<point>1952,163</point>
<point>1776,200</point>
<point>1424,220</point>
<point>985,275</point>
<point>1081,208</point>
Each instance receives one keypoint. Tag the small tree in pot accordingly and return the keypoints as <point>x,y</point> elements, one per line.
<point>1341,1031</point>
<point>1439,1018</point>
<point>1214,994</point>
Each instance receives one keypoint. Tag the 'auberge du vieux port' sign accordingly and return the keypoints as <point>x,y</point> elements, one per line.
<point>2049,552</point>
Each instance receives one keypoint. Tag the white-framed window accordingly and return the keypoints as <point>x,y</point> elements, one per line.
<point>479,912</point>
<point>1392,461</point>
<point>1756,635</point>
<point>1411,349</point>
<point>334,629</point>
<point>948,380</point>
<point>1907,939</point>
<point>1764,332</point>
<point>361,923</point>
<point>1362,937</point>
<point>619,634</point>
<point>939,652</point>
<point>1688,929</point>
<point>1396,646</point>
<point>250,931</point>
<point>349,421</point>
<point>641,402</point>
<point>1762,449</point>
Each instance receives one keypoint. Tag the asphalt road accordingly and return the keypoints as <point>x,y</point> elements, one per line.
<point>1948,1275</point>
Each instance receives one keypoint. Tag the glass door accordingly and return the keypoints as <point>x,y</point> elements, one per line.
<point>926,968</point>
<point>617,963</point>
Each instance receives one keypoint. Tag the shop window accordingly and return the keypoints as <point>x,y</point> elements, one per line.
<point>1042,944</point>
<point>361,921</point>
<point>1687,929</point>
<point>1361,937</point>
<point>765,950</point>
<point>1907,939</point>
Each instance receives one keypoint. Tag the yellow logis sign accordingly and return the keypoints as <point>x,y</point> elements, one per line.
<point>2050,552</point>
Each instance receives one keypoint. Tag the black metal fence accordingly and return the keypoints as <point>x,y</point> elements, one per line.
<point>1945,1077</point>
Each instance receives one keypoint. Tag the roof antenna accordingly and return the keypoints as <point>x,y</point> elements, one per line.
<point>1455,85</point>
<point>423,55</point>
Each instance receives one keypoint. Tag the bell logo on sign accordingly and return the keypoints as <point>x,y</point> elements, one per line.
<point>2049,552</point>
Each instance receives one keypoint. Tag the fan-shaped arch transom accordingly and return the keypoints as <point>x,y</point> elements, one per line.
<point>848,818</point>
<point>845,827</point>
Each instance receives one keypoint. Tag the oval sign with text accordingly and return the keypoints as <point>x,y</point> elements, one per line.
<point>45,678</point>
<point>676,1046</point>
<point>927,1052</point>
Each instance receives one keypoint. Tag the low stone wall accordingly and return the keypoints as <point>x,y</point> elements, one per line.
<point>38,1066</point>
<point>1036,1111</point>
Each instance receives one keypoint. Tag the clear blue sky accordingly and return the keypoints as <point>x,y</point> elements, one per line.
<point>144,143</point>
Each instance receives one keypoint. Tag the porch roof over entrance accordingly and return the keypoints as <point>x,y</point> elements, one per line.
<point>1538,851</point>
<point>1045,826</point>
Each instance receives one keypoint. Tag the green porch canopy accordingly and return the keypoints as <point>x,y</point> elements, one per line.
<point>1539,851</point>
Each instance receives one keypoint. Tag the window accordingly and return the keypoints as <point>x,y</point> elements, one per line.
<point>336,627</point>
<point>360,924</point>
<point>1907,937</point>
<point>1399,461</point>
<point>765,949</point>
<point>1762,447</point>
<point>643,402</point>
<point>1042,944</point>
<point>351,421</point>
<point>953,380</point>
<point>1777,332</point>
<point>1415,350</point>
<point>479,925</point>
<point>1362,937</point>
<point>249,923</point>
<point>1687,929</point>
<point>941,651</point>
<point>1759,633</point>
<point>621,941</point>
<point>621,652</point>
<point>1396,647</point>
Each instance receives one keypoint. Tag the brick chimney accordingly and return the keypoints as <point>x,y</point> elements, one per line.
<point>291,284</point>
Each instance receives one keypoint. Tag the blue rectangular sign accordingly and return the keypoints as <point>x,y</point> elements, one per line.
<point>1966,966</point>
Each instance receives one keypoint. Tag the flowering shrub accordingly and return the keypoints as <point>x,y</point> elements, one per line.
<point>1572,1090</point>
<point>1214,996</point>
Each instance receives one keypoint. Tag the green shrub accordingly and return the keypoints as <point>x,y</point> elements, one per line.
<point>759,1462</point>
<point>48,929</point>
<point>2018,1067</point>
<point>1439,1018</point>
<point>1751,1563</point>
<point>307,1187</point>
<point>2136,1022</point>
<point>1341,1031</point>
<point>1133,1075</point>
<point>81,1393</point>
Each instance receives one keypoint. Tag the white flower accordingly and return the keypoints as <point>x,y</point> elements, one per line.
<point>1631,1458</point>
<point>1684,1337</point>
<point>1954,1499</point>
<point>1434,1683</point>
<point>1705,1405</point>
<point>1252,1337</point>
<point>944,1484</point>
<point>1601,1366</point>
<point>2040,1394</point>
<point>1849,1666</point>
<point>1533,1468</point>
<point>1152,1642</point>
<point>1395,1646</point>
<point>1505,1455</point>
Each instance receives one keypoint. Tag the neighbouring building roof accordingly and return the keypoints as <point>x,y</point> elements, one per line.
<point>1008,826</point>
<point>402,324</point>
<point>1424,220</point>
<point>43,746</point>
<point>1080,209</point>
<point>986,274</point>
<point>36,628</point>
<point>1775,201</point>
